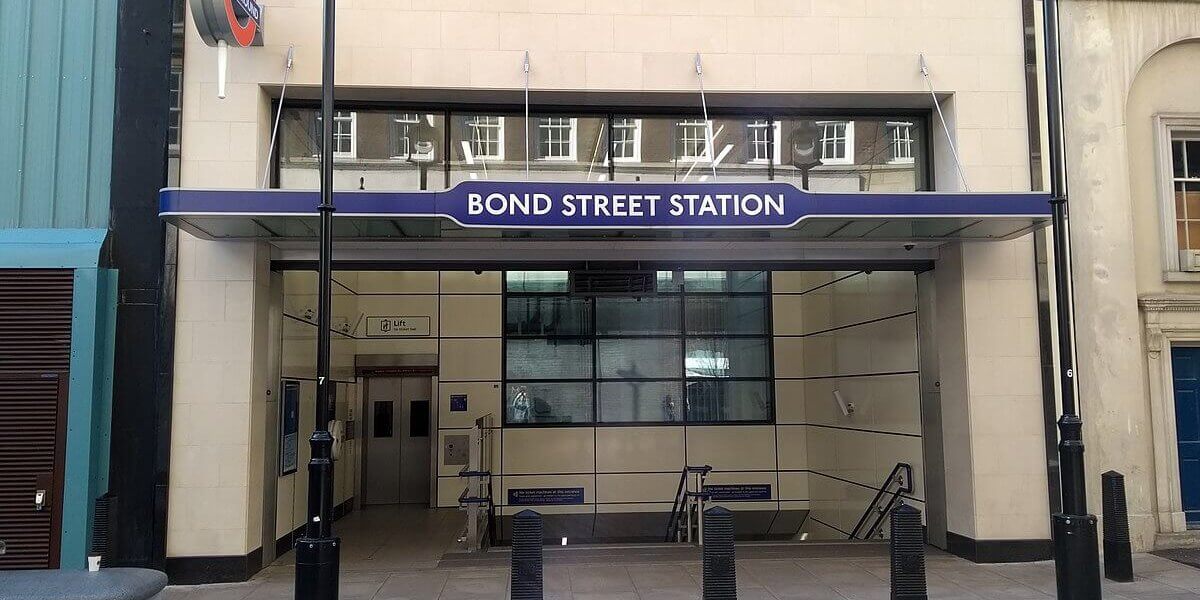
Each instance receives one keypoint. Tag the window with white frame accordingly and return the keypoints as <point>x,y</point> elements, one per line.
<point>487,136</point>
<point>345,134</point>
<point>763,141</point>
<point>837,142</point>
<point>404,130</point>
<point>691,139</point>
<point>556,138</point>
<point>345,130</point>
<point>627,139</point>
<point>900,133</point>
<point>1185,186</point>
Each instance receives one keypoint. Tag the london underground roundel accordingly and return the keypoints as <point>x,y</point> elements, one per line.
<point>235,22</point>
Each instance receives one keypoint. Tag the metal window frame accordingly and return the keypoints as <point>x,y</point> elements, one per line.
<point>681,335</point>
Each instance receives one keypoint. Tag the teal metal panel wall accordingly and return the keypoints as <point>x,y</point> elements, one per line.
<point>57,77</point>
<point>89,409</point>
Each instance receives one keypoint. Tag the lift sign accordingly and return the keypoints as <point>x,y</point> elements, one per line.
<point>397,327</point>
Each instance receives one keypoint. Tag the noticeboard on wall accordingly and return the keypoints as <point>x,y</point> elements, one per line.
<point>289,427</point>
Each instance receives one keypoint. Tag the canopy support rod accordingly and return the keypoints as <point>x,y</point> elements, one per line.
<point>525,66</point>
<point>708,132</point>
<point>287,70</point>
<point>942,117</point>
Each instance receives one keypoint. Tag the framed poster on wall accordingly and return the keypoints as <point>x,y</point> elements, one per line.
<point>289,426</point>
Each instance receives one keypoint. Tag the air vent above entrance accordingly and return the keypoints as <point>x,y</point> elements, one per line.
<point>613,283</point>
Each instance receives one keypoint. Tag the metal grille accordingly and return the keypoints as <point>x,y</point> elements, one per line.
<point>35,320</point>
<point>29,425</point>
<point>35,353</point>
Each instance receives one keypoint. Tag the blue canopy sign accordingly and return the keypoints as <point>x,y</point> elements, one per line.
<point>610,205</point>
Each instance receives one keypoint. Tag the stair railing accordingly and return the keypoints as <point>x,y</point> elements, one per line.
<point>686,522</point>
<point>898,482</point>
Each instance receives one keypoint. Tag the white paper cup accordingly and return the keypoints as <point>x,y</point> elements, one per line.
<point>93,563</point>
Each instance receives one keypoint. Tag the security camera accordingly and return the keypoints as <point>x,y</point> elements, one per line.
<point>478,272</point>
<point>909,247</point>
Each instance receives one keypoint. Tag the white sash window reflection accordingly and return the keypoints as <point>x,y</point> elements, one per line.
<point>691,142</point>
<point>404,128</point>
<point>556,138</point>
<point>837,142</point>
<point>902,142</point>
<point>487,137</point>
<point>763,138</point>
<point>627,139</point>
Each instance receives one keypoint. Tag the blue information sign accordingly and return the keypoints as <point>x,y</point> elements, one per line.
<point>741,491</point>
<point>458,403</point>
<point>610,205</point>
<point>544,496</point>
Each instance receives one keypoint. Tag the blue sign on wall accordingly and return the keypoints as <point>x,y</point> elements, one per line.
<point>741,491</point>
<point>610,205</point>
<point>458,403</point>
<point>544,496</point>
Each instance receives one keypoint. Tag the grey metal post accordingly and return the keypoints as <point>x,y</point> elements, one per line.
<point>1118,551</point>
<point>907,550</point>
<point>720,573</point>
<point>526,576</point>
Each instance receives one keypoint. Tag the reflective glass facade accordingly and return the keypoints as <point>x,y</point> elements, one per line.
<point>432,148</point>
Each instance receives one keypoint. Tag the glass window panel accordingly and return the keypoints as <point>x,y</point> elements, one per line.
<point>726,357</point>
<point>548,402</point>
<point>726,315</point>
<point>537,281</point>
<point>548,359</point>
<point>638,358</point>
<point>1193,235</point>
<point>853,155</point>
<point>670,281</point>
<point>637,316</point>
<point>728,401</point>
<point>724,281</point>
<point>641,401</point>
<point>547,315</point>
<point>1193,158</point>
<point>677,148</point>
<point>1177,162</point>
<point>376,150</point>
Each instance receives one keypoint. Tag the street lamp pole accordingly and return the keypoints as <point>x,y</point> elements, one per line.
<point>317,551</point>
<point>1076,553</point>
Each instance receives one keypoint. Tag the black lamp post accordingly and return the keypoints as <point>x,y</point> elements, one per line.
<point>1076,554</point>
<point>317,550</point>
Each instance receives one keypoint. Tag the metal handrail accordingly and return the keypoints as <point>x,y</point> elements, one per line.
<point>905,487</point>
<point>679,504</point>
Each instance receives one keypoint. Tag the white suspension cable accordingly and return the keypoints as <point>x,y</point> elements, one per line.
<point>526,67</point>
<point>708,133</point>
<point>942,117</point>
<point>287,70</point>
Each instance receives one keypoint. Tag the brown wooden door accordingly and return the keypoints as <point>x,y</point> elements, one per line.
<point>35,354</point>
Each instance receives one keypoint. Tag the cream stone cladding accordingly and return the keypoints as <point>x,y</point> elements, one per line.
<point>1124,64</point>
<point>858,49</point>
<point>974,50</point>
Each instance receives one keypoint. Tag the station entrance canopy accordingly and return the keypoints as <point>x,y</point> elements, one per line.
<point>472,209</point>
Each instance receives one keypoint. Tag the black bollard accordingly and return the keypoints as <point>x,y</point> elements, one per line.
<point>720,573</point>
<point>1118,552</point>
<point>907,548</point>
<point>526,577</point>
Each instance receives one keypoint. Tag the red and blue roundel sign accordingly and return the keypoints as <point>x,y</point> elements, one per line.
<point>235,22</point>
